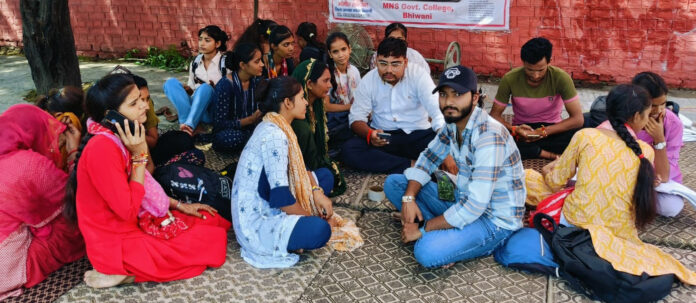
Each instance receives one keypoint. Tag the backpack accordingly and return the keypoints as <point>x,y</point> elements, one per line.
<point>588,273</point>
<point>527,250</point>
<point>199,59</point>
<point>191,183</point>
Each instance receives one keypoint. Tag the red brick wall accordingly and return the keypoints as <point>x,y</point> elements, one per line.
<point>595,40</point>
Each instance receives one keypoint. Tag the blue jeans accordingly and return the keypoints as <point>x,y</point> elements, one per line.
<point>191,109</point>
<point>440,247</point>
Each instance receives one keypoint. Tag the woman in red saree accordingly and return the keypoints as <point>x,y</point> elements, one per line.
<point>35,239</point>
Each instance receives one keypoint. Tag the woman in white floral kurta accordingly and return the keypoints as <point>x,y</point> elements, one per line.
<point>262,190</point>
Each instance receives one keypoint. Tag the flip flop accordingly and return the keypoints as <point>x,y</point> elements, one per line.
<point>164,110</point>
<point>169,116</point>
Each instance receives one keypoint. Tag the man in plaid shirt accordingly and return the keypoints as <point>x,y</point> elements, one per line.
<point>488,200</point>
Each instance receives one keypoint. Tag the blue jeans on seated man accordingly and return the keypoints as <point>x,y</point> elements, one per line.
<point>441,247</point>
<point>191,109</point>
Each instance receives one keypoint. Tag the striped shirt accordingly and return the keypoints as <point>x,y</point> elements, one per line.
<point>490,182</point>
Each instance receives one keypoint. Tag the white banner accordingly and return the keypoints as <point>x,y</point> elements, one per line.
<point>459,14</point>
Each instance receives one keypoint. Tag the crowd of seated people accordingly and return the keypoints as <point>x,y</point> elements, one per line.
<point>294,127</point>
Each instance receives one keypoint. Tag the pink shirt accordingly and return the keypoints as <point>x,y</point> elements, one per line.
<point>674,137</point>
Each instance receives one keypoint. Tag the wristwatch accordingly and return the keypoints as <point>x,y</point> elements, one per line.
<point>407,199</point>
<point>659,146</point>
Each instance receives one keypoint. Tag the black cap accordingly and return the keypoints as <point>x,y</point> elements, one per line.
<point>461,79</point>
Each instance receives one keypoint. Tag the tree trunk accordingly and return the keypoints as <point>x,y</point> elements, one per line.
<point>49,44</point>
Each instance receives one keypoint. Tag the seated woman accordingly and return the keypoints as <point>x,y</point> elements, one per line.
<point>278,207</point>
<point>235,113</point>
<point>344,81</point>
<point>192,100</point>
<point>312,131</point>
<point>111,194</point>
<point>308,41</point>
<point>35,239</point>
<point>279,61</point>
<point>64,104</point>
<point>664,132</point>
<point>257,33</point>
<point>614,194</point>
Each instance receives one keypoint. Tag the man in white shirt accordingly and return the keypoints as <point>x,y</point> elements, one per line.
<point>396,100</point>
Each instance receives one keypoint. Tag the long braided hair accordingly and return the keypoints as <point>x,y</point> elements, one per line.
<point>106,94</point>
<point>623,103</point>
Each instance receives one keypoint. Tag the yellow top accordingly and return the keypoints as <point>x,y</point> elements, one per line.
<point>602,201</point>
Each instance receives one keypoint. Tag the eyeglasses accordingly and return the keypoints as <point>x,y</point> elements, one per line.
<point>394,64</point>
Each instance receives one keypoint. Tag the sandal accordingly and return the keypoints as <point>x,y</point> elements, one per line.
<point>171,117</point>
<point>164,110</point>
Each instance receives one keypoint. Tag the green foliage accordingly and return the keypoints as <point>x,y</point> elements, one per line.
<point>131,54</point>
<point>169,59</point>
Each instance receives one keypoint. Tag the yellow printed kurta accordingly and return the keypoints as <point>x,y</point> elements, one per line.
<point>602,201</point>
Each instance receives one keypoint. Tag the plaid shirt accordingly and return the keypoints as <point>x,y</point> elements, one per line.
<point>491,177</point>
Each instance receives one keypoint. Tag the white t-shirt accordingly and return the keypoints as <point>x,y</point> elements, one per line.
<point>205,75</point>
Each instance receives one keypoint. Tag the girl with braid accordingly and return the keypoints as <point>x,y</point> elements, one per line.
<point>614,194</point>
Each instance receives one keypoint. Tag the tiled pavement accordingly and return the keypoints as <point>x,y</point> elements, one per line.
<point>383,270</point>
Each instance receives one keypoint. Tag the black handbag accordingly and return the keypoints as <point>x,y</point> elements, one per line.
<point>588,273</point>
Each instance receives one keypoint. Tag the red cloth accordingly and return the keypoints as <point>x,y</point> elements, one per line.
<point>552,206</point>
<point>107,209</point>
<point>35,239</point>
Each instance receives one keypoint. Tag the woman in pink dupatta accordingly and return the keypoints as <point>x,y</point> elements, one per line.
<point>35,239</point>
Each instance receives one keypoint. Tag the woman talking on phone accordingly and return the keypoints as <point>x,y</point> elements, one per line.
<point>133,232</point>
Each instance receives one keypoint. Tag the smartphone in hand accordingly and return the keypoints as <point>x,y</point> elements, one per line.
<point>533,136</point>
<point>384,136</point>
<point>113,117</point>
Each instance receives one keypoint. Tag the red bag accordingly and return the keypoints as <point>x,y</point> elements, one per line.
<point>166,227</point>
<point>552,206</point>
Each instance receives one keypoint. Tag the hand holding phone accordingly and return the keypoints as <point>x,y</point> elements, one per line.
<point>533,136</point>
<point>113,117</point>
<point>384,136</point>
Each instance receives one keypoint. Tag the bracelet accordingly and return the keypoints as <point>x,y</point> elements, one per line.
<point>421,226</point>
<point>178,203</point>
<point>514,134</point>
<point>140,156</point>
<point>315,188</point>
<point>71,152</point>
<point>543,131</point>
<point>369,136</point>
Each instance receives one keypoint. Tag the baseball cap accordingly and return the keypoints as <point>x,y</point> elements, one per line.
<point>461,79</point>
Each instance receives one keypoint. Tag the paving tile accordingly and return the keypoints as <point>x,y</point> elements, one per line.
<point>384,270</point>
<point>234,281</point>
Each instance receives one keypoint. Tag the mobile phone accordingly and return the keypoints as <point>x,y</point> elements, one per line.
<point>533,136</point>
<point>113,117</point>
<point>385,136</point>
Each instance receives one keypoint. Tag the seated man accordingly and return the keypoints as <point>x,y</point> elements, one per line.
<point>538,92</point>
<point>487,203</point>
<point>398,97</point>
<point>399,31</point>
